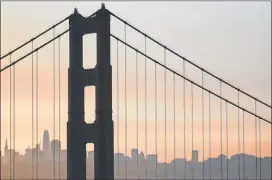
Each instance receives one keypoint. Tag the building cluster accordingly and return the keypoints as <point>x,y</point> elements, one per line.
<point>52,160</point>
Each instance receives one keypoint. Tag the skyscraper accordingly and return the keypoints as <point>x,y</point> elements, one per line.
<point>134,154</point>
<point>55,148</point>
<point>195,155</point>
<point>46,141</point>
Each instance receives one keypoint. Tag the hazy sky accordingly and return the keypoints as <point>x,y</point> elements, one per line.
<point>229,39</point>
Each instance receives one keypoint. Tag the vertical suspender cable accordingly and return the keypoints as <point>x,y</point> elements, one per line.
<point>221,139</point>
<point>137,115</point>
<point>54,114</point>
<point>32,107</point>
<point>10,115</point>
<point>59,107</point>
<point>14,122</point>
<point>174,99</point>
<point>126,99</point>
<point>256,146</point>
<point>239,162</point>
<point>210,135</point>
<point>192,126</point>
<point>117,113</point>
<point>156,121</point>
<point>165,114</point>
<point>145,116</point>
<point>244,168</point>
<point>0,89</point>
<point>37,114</point>
<point>203,145</point>
<point>184,125</point>
<point>260,147</point>
<point>227,139</point>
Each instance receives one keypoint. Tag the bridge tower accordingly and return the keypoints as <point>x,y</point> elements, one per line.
<point>100,133</point>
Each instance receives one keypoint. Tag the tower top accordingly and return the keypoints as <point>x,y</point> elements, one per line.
<point>75,11</point>
<point>103,6</point>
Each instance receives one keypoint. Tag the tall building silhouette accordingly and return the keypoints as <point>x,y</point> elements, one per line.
<point>195,155</point>
<point>134,154</point>
<point>6,147</point>
<point>46,141</point>
<point>55,149</point>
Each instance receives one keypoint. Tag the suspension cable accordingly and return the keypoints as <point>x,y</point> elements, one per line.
<point>0,89</point>
<point>260,148</point>
<point>156,121</point>
<point>117,113</point>
<point>165,115</point>
<point>34,38</point>
<point>37,49</point>
<point>145,114</point>
<point>239,162</point>
<point>196,84</point>
<point>184,125</point>
<point>10,115</point>
<point>117,106</point>
<point>185,59</point>
<point>227,139</point>
<point>210,136</point>
<point>137,115</point>
<point>192,94</point>
<point>221,139</point>
<point>32,108</point>
<point>256,140</point>
<point>37,114</point>
<point>203,145</point>
<point>126,99</point>
<point>59,105</point>
<point>14,89</point>
<point>174,99</point>
<point>244,168</point>
<point>54,113</point>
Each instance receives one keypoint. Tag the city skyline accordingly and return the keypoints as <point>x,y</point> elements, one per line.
<point>153,107</point>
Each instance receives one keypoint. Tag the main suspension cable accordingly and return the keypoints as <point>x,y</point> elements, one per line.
<point>37,49</point>
<point>188,61</point>
<point>196,84</point>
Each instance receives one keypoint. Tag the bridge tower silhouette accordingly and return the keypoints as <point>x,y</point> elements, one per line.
<point>100,133</point>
